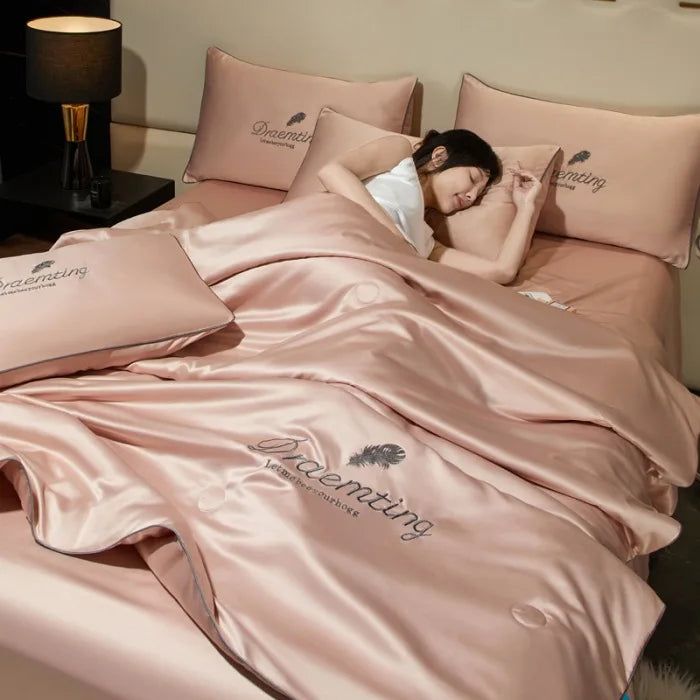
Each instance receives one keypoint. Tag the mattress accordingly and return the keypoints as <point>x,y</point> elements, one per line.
<point>138,642</point>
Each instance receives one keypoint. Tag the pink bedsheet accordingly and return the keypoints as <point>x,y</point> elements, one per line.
<point>632,293</point>
<point>226,199</point>
<point>494,417</point>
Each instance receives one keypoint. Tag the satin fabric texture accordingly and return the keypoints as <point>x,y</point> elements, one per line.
<point>384,477</point>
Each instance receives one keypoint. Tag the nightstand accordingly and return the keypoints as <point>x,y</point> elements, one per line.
<point>37,205</point>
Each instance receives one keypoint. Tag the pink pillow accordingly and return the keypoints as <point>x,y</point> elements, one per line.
<point>335,134</point>
<point>101,304</point>
<point>256,123</point>
<point>482,229</point>
<point>631,181</point>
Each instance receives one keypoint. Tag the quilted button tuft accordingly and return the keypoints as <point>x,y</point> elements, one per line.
<point>211,498</point>
<point>366,292</point>
<point>528,616</point>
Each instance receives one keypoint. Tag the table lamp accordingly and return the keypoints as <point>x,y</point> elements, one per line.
<point>74,61</point>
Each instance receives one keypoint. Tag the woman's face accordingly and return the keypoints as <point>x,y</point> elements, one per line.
<point>456,188</point>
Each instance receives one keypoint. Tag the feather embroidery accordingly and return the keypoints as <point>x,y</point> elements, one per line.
<point>42,266</point>
<point>382,456</point>
<point>298,117</point>
<point>580,157</point>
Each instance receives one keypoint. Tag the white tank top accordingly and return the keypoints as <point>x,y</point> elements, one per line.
<point>399,193</point>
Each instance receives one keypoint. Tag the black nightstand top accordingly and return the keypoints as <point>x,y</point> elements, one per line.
<point>131,194</point>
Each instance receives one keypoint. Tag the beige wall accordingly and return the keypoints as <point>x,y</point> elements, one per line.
<point>640,54</point>
<point>634,55</point>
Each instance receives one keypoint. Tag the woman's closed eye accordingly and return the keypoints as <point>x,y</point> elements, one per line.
<point>473,193</point>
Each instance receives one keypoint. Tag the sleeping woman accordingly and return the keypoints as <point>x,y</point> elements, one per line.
<point>446,173</point>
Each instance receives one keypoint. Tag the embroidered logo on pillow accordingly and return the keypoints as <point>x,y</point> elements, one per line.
<point>580,157</point>
<point>36,281</point>
<point>296,118</point>
<point>569,179</point>
<point>42,266</point>
<point>285,137</point>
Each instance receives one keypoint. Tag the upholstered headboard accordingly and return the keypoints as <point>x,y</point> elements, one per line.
<point>635,55</point>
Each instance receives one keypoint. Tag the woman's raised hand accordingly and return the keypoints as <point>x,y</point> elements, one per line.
<point>526,187</point>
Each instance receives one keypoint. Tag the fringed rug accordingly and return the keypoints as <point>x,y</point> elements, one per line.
<point>663,682</point>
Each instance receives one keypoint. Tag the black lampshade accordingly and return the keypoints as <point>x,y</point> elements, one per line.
<point>74,59</point>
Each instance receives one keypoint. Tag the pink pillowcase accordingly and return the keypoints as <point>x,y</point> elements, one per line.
<point>101,304</point>
<point>335,134</point>
<point>256,123</point>
<point>482,229</point>
<point>627,180</point>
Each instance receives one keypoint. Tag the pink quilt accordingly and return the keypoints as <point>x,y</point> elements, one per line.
<point>385,478</point>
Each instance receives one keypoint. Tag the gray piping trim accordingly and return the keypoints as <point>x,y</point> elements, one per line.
<point>278,693</point>
<point>145,344</point>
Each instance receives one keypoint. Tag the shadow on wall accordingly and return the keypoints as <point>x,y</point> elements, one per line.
<point>129,154</point>
<point>417,115</point>
<point>137,148</point>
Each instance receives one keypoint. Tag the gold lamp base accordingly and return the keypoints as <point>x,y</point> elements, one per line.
<point>76,171</point>
<point>75,119</point>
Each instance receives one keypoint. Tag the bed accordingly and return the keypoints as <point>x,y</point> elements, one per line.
<point>630,291</point>
<point>129,621</point>
<point>108,625</point>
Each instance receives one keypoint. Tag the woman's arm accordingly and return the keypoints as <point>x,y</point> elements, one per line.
<point>467,262</point>
<point>344,175</point>
<point>374,157</point>
<point>504,268</point>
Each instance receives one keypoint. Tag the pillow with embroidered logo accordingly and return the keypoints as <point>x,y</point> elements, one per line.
<point>256,123</point>
<point>627,180</point>
<point>101,304</point>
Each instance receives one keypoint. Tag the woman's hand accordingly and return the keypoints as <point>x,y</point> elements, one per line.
<point>526,187</point>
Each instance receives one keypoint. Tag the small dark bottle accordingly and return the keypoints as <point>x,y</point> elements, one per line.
<point>101,192</point>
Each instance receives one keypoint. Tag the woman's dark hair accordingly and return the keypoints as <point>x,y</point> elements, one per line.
<point>464,149</point>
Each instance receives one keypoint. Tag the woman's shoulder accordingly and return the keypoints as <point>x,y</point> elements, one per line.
<point>377,156</point>
<point>392,152</point>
